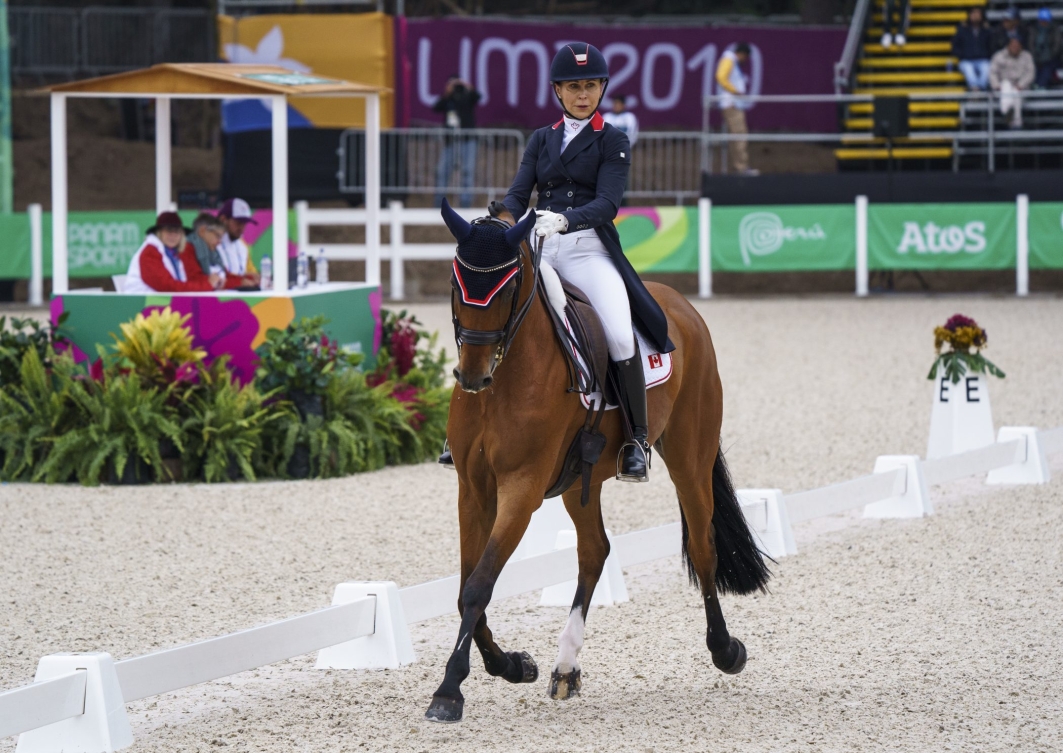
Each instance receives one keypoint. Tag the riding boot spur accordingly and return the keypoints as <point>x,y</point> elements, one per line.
<point>634,461</point>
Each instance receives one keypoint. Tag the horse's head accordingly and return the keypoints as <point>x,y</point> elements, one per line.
<point>486,298</point>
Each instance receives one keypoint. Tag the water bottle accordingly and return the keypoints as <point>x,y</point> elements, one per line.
<point>302,274</point>
<point>266,281</point>
<point>321,268</point>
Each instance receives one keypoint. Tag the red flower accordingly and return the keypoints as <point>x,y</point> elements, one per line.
<point>959,320</point>
<point>96,370</point>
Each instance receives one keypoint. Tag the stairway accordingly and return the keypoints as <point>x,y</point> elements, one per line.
<point>923,66</point>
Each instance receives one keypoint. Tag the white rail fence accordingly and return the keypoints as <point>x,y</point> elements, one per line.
<point>77,701</point>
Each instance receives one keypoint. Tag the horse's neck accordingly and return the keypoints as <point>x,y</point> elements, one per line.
<point>532,355</point>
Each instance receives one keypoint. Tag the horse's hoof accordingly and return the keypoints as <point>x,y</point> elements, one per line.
<point>565,685</point>
<point>733,660</point>
<point>522,667</point>
<point>444,710</point>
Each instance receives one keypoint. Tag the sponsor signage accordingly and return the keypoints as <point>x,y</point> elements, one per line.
<point>783,238</point>
<point>1046,235</point>
<point>941,236</point>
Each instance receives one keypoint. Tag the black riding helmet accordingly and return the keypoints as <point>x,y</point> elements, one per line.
<point>578,61</point>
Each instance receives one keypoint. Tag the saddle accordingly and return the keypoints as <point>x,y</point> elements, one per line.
<point>582,339</point>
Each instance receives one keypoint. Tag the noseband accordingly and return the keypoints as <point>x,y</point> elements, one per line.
<point>501,338</point>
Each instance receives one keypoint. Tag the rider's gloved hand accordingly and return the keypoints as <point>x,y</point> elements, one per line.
<point>548,223</point>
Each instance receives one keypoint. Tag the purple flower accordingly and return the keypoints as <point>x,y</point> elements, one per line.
<point>959,320</point>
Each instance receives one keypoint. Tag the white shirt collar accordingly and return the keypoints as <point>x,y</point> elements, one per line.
<point>572,129</point>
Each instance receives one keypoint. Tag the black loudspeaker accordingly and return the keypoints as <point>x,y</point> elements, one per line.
<point>890,117</point>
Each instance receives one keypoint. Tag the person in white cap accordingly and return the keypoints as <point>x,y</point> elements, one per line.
<point>236,257</point>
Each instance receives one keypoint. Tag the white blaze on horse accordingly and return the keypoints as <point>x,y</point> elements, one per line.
<point>512,423</point>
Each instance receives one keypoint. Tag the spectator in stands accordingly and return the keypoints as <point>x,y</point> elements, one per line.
<point>625,121</point>
<point>895,25</point>
<point>1046,42</point>
<point>971,46</point>
<point>1011,72</point>
<point>165,263</point>
<point>732,83</point>
<point>458,105</point>
<point>1010,25</point>
<point>235,256</point>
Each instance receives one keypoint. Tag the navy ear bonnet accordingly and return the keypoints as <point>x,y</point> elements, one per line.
<point>485,262</point>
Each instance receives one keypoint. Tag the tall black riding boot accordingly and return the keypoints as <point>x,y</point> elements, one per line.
<point>634,461</point>
<point>446,459</point>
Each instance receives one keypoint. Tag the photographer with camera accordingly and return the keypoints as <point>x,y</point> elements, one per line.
<point>458,104</point>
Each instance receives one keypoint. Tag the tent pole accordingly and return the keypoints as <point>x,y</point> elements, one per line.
<point>280,193</point>
<point>60,274</point>
<point>163,161</point>
<point>372,189</point>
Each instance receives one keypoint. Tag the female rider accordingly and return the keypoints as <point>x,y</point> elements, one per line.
<point>579,166</point>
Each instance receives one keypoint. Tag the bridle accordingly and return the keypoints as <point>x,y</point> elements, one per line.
<point>501,338</point>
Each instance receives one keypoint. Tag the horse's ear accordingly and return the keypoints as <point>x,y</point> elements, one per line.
<point>459,228</point>
<point>520,231</point>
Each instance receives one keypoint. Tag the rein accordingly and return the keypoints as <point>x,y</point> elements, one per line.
<point>501,338</point>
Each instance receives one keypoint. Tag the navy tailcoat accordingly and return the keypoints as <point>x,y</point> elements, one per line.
<point>586,185</point>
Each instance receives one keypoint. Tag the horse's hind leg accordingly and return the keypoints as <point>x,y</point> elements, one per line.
<point>509,525</point>
<point>592,548</point>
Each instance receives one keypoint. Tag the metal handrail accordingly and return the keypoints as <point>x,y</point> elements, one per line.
<point>843,68</point>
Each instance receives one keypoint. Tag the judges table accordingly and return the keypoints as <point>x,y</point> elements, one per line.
<point>226,322</point>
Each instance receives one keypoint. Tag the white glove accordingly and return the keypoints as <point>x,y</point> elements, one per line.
<point>548,223</point>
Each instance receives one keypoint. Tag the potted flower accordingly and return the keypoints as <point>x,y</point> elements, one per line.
<point>964,340</point>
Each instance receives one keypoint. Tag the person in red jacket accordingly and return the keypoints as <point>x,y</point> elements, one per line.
<point>165,263</point>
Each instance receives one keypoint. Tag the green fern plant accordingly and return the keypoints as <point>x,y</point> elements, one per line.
<point>35,409</point>
<point>118,422</point>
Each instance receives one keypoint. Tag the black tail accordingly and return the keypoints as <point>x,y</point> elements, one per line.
<point>740,566</point>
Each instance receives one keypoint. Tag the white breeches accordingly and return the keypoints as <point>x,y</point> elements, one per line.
<point>582,259</point>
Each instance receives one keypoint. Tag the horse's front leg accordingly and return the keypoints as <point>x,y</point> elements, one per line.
<point>592,548</point>
<point>514,513</point>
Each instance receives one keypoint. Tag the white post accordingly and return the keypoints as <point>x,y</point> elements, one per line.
<point>398,274</point>
<point>1022,245</point>
<point>163,161</point>
<point>704,248</point>
<point>861,246</point>
<point>36,255</point>
<point>60,273</point>
<point>372,189</point>
<point>280,194</point>
<point>302,228</point>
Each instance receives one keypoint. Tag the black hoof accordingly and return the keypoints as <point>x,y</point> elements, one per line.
<point>444,710</point>
<point>733,660</point>
<point>565,685</point>
<point>522,668</point>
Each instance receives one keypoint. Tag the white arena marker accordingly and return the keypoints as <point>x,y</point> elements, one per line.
<point>389,647</point>
<point>1033,469</point>
<point>765,513</point>
<point>546,522</point>
<point>610,590</point>
<point>102,728</point>
<point>910,499</point>
<point>961,418</point>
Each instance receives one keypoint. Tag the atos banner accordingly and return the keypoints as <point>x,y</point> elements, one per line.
<point>1046,235</point>
<point>941,236</point>
<point>665,71</point>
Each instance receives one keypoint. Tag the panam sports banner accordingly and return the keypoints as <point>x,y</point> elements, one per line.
<point>941,236</point>
<point>1046,235</point>
<point>353,47</point>
<point>664,70</point>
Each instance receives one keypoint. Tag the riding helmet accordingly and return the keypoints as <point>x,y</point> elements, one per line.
<point>577,61</point>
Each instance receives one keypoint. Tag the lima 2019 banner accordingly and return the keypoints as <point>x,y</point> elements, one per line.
<point>664,70</point>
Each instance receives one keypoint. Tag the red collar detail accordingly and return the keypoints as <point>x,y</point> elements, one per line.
<point>597,121</point>
<point>558,123</point>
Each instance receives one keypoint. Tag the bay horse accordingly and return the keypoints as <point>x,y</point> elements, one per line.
<point>512,420</point>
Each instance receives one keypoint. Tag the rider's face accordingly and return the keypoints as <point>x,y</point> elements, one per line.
<point>580,98</point>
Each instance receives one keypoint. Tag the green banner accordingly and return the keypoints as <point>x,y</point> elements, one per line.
<point>783,238</point>
<point>941,236</point>
<point>659,239</point>
<point>1046,235</point>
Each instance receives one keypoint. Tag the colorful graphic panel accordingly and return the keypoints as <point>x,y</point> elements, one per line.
<point>232,325</point>
<point>352,47</point>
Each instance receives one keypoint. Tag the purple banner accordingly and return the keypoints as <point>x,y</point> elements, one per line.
<point>664,70</point>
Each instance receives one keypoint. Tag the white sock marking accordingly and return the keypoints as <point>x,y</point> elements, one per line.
<point>570,643</point>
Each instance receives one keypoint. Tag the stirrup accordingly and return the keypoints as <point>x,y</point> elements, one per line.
<point>445,458</point>
<point>631,478</point>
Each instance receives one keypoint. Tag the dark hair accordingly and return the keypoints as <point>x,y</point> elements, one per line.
<point>620,98</point>
<point>209,221</point>
<point>742,48</point>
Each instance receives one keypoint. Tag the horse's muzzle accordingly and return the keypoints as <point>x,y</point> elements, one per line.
<point>473,384</point>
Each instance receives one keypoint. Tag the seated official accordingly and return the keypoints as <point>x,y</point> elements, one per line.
<point>235,256</point>
<point>165,263</point>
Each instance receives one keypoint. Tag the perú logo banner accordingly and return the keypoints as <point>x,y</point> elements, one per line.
<point>776,239</point>
<point>941,236</point>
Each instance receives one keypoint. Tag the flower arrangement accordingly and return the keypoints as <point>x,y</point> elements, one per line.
<point>965,341</point>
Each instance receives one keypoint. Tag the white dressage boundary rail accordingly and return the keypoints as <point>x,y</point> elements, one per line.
<point>64,699</point>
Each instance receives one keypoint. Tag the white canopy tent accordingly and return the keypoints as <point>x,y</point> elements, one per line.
<point>170,81</point>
